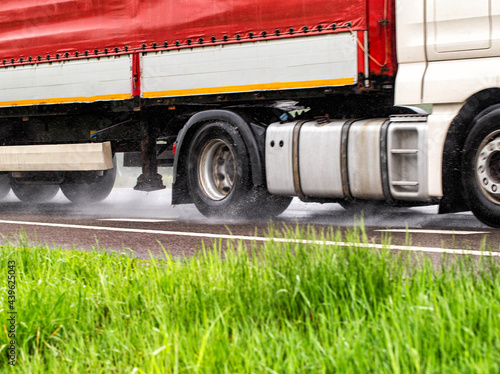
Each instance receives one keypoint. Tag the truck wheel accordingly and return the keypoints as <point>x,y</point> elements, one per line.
<point>219,176</point>
<point>218,171</point>
<point>358,206</point>
<point>271,205</point>
<point>4,185</point>
<point>481,168</point>
<point>87,193</point>
<point>34,193</point>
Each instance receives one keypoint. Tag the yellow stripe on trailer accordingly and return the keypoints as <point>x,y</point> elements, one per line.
<point>66,100</point>
<point>251,87</point>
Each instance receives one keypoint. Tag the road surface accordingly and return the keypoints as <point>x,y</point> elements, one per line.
<point>146,222</point>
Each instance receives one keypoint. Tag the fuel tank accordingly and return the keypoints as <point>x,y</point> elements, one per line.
<point>368,159</point>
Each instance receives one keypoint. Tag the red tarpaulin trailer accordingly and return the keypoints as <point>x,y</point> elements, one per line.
<point>62,28</point>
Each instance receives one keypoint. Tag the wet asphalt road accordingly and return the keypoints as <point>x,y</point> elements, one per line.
<point>131,220</point>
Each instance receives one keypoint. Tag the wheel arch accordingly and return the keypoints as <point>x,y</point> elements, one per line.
<point>453,193</point>
<point>245,127</point>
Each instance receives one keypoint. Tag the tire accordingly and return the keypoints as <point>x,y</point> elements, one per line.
<point>34,193</point>
<point>4,185</point>
<point>268,206</point>
<point>219,176</point>
<point>88,193</point>
<point>359,206</point>
<point>481,168</point>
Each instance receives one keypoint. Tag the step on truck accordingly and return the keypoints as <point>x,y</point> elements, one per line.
<point>359,102</point>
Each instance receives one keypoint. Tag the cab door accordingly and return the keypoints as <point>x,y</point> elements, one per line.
<point>457,26</point>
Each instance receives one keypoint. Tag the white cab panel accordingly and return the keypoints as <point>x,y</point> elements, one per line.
<point>438,124</point>
<point>410,43</point>
<point>461,29</point>
<point>302,62</point>
<point>363,159</point>
<point>455,81</point>
<point>409,83</point>
<point>410,30</point>
<point>320,159</point>
<point>73,81</point>
<point>56,157</point>
<point>458,25</point>
<point>462,32</point>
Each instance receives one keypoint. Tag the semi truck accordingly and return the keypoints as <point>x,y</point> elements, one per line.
<point>359,102</point>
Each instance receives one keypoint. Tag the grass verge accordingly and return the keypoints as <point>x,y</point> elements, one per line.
<point>272,307</point>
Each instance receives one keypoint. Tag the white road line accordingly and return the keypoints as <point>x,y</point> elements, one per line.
<point>135,220</point>
<point>446,232</point>
<point>257,238</point>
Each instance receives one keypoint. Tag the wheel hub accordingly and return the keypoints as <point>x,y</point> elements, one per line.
<point>216,169</point>
<point>488,168</point>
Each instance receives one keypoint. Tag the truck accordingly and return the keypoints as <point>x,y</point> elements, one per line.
<point>358,102</point>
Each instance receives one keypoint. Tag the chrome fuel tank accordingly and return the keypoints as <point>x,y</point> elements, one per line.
<point>320,166</point>
<point>369,159</point>
<point>363,159</point>
<point>304,159</point>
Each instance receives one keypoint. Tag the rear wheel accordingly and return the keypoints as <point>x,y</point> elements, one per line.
<point>219,176</point>
<point>94,189</point>
<point>481,168</point>
<point>34,193</point>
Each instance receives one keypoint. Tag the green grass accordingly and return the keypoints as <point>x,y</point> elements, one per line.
<point>270,308</point>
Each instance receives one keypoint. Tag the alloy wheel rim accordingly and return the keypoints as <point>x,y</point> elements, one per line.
<point>488,167</point>
<point>216,169</point>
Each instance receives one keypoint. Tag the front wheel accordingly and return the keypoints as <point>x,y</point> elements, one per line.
<point>481,168</point>
<point>219,176</point>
